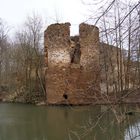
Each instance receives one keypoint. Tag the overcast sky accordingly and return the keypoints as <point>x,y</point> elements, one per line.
<point>14,12</point>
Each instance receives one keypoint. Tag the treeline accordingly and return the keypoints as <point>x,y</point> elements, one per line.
<point>119,24</point>
<point>22,60</point>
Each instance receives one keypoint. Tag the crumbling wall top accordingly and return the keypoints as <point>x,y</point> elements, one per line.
<point>86,29</point>
<point>58,30</point>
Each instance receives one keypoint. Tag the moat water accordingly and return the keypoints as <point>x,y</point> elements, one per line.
<point>29,122</point>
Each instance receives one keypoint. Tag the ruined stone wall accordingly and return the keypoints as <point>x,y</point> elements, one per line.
<point>110,67</point>
<point>72,64</point>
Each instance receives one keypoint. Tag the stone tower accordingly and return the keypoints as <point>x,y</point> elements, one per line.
<point>72,64</point>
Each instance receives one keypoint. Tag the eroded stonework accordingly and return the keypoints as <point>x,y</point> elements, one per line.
<point>72,64</point>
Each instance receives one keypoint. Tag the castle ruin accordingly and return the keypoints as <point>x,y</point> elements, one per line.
<point>72,64</point>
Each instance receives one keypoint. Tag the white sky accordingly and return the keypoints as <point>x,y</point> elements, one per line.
<point>14,12</point>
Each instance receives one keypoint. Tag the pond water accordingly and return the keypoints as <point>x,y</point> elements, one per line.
<point>28,122</point>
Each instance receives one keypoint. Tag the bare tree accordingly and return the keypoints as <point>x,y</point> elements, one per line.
<point>3,48</point>
<point>35,33</point>
<point>28,59</point>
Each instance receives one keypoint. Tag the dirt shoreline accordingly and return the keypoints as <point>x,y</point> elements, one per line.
<point>129,97</point>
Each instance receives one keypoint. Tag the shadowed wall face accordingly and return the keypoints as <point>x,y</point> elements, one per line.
<point>72,64</point>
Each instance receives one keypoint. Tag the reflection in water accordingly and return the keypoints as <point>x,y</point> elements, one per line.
<point>28,122</point>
